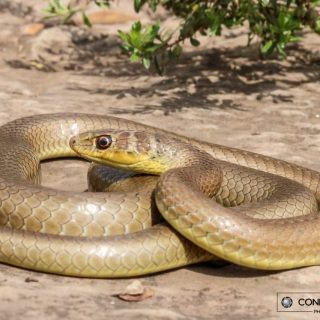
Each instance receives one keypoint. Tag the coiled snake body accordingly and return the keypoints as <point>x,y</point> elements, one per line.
<point>109,235</point>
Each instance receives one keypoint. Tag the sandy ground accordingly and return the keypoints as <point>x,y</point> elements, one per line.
<point>220,92</point>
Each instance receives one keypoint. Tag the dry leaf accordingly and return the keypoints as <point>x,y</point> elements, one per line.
<point>32,29</point>
<point>134,288</point>
<point>104,17</point>
<point>135,291</point>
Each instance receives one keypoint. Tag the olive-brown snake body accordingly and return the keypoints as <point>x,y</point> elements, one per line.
<point>90,234</point>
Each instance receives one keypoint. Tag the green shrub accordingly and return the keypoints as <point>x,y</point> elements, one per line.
<point>276,23</point>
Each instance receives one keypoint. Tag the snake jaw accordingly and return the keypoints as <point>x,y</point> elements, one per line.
<point>129,150</point>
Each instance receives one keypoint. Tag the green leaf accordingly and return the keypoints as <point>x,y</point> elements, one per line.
<point>177,50</point>
<point>146,63</point>
<point>104,4</point>
<point>135,39</point>
<point>59,4</point>
<point>267,47</point>
<point>153,48</point>
<point>86,20</point>
<point>68,17</point>
<point>150,33</point>
<point>194,42</point>
<point>153,30</point>
<point>125,48</point>
<point>265,3</point>
<point>123,36</point>
<point>294,39</point>
<point>138,4</point>
<point>135,57</point>
<point>280,48</point>
<point>153,5</point>
<point>317,27</point>
<point>49,9</point>
<point>136,27</point>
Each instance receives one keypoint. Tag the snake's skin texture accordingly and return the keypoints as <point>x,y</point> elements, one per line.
<point>245,233</point>
<point>78,234</point>
<point>272,244</point>
<point>109,235</point>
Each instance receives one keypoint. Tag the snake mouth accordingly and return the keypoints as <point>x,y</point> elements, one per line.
<point>128,161</point>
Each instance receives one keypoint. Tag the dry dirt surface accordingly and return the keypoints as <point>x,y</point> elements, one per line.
<point>220,92</point>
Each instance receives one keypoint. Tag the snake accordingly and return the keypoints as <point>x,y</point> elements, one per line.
<point>217,202</point>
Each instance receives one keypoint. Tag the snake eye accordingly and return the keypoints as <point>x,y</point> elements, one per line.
<point>103,142</point>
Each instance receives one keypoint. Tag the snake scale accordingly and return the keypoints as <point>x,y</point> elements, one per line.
<point>240,206</point>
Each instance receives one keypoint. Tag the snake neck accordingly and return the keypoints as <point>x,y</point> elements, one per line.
<point>189,163</point>
<point>168,153</point>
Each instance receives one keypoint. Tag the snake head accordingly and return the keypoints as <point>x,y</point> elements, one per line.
<point>125,149</point>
